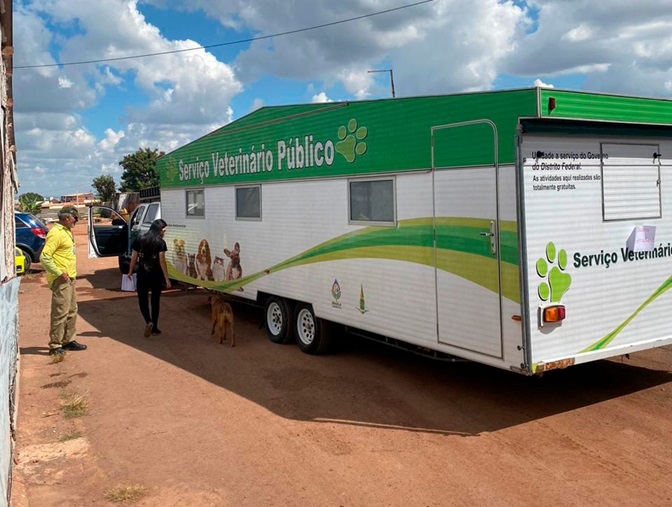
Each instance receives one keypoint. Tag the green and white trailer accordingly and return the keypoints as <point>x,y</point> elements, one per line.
<point>526,229</point>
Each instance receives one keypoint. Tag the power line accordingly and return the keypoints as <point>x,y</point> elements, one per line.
<point>231,43</point>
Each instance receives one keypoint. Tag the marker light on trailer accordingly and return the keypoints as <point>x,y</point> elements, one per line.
<point>555,313</point>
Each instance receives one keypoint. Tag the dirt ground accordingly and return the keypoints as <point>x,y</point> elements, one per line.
<point>195,423</point>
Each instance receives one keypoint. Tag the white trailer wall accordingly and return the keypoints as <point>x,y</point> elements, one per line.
<point>586,197</point>
<point>383,292</point>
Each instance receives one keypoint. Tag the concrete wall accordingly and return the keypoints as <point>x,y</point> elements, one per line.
<point>9,284</point>
<point>9,321</point>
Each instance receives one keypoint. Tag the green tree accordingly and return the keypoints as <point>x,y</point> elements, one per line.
<point>30,202</point>
<point>105,187</point>
<point>140,170</point>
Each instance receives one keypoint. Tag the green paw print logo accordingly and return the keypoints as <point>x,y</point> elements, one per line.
<point>351,140</point>
<point>171,169</point>
<point>556,281</point>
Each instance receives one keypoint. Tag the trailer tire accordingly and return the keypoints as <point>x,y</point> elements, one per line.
<point>278,320</point>
<point>313,335</point>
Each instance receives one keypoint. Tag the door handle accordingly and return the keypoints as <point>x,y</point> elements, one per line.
<point>492,236</point>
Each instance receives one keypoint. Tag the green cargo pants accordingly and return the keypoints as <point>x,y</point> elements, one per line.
<point>63,313</point>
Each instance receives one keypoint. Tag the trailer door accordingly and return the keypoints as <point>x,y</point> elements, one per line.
<point>467,264</point>
<point>597,238</point>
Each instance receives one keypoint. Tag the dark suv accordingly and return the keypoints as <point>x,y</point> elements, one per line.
<point>31,234</point>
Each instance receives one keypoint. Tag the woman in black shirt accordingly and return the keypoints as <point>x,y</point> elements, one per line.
<point>149,253</point>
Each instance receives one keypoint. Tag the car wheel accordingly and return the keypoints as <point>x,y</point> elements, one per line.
<point>29,260</point>
<point>278,319</point>
<point>312,335</point>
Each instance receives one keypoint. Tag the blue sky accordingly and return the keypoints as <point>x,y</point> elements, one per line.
<point>76,122</point>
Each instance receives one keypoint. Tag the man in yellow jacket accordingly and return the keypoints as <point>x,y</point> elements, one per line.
<point>59,261</point>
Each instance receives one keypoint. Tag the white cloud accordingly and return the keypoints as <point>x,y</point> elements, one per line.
<point>64,82</point>
<point>320,98</point>
<point>111,140</point>
<point>439,47</point>
<point>186,94</point>
<point>433,48</point>
<point>257,104</point>
<point>539,82</point>
<point>357,81</point>
<point>578,34</point>
<point>600,40</point>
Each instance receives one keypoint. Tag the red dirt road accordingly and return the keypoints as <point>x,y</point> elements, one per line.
<point>200,424</point>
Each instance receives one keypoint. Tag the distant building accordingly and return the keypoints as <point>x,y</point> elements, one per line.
<point>81,198</point>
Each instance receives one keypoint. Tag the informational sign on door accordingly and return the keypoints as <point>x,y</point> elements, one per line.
<point>642,238</point>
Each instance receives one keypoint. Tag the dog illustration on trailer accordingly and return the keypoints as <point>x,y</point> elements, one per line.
<point>204,261</point>
<point>234,270</point>
<point>180,260</point>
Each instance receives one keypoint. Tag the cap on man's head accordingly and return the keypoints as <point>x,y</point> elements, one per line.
<point>69,210</point>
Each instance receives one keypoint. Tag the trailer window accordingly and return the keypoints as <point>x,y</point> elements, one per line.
<point>248,203</point>
<point>195,203</point>
<point>372,201</point>
<point>630,181</point>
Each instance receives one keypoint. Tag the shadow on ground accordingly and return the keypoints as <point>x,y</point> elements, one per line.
<point>363,383</point>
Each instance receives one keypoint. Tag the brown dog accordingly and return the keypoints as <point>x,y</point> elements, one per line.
<point>221,315</point>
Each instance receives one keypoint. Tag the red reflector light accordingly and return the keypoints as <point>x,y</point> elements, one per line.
<point>554,313</point>
<point>38,232</point>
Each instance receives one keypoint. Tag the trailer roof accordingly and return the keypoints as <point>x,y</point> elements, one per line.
<point>388,135</point>
<point>595,106</point>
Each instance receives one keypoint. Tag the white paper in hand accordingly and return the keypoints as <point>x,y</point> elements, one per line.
<point>128,284</point>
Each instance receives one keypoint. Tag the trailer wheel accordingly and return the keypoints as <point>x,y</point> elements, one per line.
<point>278,320</point>
<point>312,334</point>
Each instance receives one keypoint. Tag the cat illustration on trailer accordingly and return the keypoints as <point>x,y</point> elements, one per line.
<point>218,271</point>
<point>191,266</point>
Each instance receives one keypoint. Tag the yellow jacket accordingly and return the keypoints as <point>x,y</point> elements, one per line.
<point>58,254</point>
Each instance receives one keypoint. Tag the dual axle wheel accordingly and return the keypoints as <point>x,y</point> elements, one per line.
<point>286,322</point>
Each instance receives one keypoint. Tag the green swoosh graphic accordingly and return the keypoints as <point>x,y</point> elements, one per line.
<point>600,344</point>
<point>458,243</point>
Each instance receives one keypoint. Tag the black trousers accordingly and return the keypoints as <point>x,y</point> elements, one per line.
<point>148,282</point>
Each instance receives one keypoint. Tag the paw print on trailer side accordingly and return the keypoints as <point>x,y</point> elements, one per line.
<point>556,281</point>
<point>351,140</point>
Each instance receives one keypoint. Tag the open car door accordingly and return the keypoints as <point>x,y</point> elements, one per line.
<point>107,232</point>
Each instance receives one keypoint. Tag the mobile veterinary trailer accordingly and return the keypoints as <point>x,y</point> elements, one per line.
<point>526,229</point>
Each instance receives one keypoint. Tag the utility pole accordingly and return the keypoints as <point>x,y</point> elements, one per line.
<point>391,77</point>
